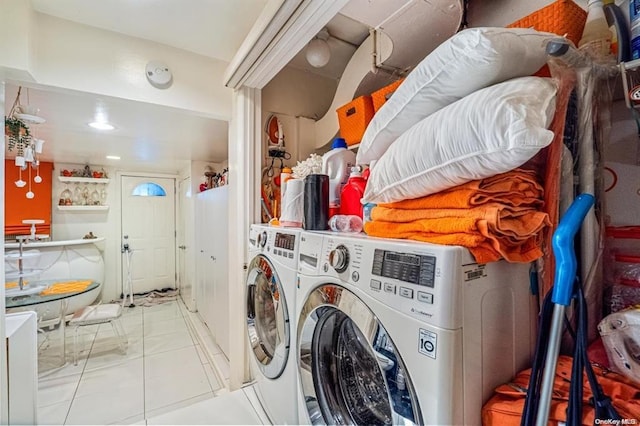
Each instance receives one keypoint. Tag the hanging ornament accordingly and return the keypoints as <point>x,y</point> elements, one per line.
<point>37,179</point>
<point>20,183</point>
<point>30,194</point>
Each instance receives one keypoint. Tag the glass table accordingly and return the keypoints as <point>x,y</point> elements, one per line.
<point>35,302</point>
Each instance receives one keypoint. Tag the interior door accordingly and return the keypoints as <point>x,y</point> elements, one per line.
<point>185,236</point>
<point>149,227</point>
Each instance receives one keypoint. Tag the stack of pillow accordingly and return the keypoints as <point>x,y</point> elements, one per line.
<point>468,111</point>
<point>450,119</point>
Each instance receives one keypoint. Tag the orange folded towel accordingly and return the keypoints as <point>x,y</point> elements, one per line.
<point>494,218</point>
<point>514,238</point>
<point>66,287</point>
<point>516,188</point>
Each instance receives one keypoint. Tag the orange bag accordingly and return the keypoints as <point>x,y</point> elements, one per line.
<point>380,96</point>
<point>506,406</point>
<point>354,118</point>
<point>562,17</point>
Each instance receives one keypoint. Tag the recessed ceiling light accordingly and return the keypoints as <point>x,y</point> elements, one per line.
<point>113,157</point>
<point>101,125</point>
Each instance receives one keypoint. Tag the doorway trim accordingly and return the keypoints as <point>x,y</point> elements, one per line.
<point>117,231</point>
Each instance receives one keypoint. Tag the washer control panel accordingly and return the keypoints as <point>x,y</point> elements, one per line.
<point>419,279</point>
<point>407,267</point>
<point>339,258</point>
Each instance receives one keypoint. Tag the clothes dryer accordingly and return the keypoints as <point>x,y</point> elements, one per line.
<point>391,331</point>
<point>270,310</point>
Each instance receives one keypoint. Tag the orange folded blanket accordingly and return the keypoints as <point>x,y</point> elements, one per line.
<point>66,287</point>
<point>497,217</point>
<point>516,188</point>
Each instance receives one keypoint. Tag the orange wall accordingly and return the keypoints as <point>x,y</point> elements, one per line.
<point>18,207</point>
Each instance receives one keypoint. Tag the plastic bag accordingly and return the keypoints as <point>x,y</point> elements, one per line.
<point>621,337</point>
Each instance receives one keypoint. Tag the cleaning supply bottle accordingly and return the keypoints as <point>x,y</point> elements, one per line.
<point>620,34</point>
<point>337,164</point>
<point>596,37</point>
<point>352,193</point>
<point>285,175</point>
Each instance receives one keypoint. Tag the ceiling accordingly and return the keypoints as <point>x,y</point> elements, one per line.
<point>150,137</point>
<point>213,28</point>
<point>159,138</point>
<point>147,136</point>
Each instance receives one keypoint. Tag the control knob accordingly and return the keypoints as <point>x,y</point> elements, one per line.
<point>339,258</point>
<point>262,239</point>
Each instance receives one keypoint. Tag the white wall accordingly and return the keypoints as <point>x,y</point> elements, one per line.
<point>64,54</point>
<point>16,23</point>
<point>298,99</point>
<point>83,58</point>
<point>71,225</point>
<point>298,93</point>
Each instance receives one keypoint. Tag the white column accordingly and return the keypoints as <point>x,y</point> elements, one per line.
<point>4,386</point>
<point>244,209</point>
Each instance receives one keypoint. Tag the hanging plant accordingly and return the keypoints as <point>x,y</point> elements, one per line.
<point>17,134</point>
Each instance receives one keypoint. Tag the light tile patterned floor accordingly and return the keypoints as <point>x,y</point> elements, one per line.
<point>164,370</point>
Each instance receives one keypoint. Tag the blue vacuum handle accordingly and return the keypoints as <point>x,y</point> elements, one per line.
<point>562,245</point>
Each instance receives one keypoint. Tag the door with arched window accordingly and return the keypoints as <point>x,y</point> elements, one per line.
<point>148,222</point>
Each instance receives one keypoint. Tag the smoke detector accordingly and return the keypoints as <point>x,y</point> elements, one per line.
<point>158,74</point>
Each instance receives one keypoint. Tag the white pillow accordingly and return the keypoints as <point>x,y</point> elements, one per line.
<point>491,131</point>
<point>468,61</point>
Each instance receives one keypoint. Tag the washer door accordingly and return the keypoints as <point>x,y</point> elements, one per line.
<point>350,370</point>
<point>267,318</point>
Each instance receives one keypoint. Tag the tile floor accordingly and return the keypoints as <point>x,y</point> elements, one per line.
<point>164,378</point>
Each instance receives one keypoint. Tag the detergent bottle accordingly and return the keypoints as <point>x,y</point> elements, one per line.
<point>352,192</point>
<point>596,36</point>
<point>285,175</point>
<point>337,164</point>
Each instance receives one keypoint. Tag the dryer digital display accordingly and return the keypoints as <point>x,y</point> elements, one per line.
<point>411,268</point>
<point>285,241</point>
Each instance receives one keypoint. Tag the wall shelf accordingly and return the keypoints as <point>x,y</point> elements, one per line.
<point>83,208</point>
<point>82,179</point>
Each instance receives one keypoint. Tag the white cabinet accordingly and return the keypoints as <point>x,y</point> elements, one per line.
<point>212,292</point>
<point>22,363</point>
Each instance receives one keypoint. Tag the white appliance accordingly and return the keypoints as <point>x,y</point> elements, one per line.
<point>391,331</point>
<point>270,308</point>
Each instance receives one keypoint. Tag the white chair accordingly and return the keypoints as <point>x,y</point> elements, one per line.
<point>98,314</point>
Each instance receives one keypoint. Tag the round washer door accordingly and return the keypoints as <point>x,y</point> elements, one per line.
<point>350,369</point>
<point>267,318</point>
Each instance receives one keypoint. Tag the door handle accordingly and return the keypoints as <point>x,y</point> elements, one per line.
<point>182,247</point>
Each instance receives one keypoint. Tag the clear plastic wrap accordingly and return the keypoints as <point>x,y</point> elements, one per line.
<point>582,125</point>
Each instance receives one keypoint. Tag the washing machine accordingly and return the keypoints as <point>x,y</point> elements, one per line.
<point>399,332</point>
<point>270,310</point>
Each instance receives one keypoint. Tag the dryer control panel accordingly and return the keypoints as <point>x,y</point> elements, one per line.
<point>279,244</point>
